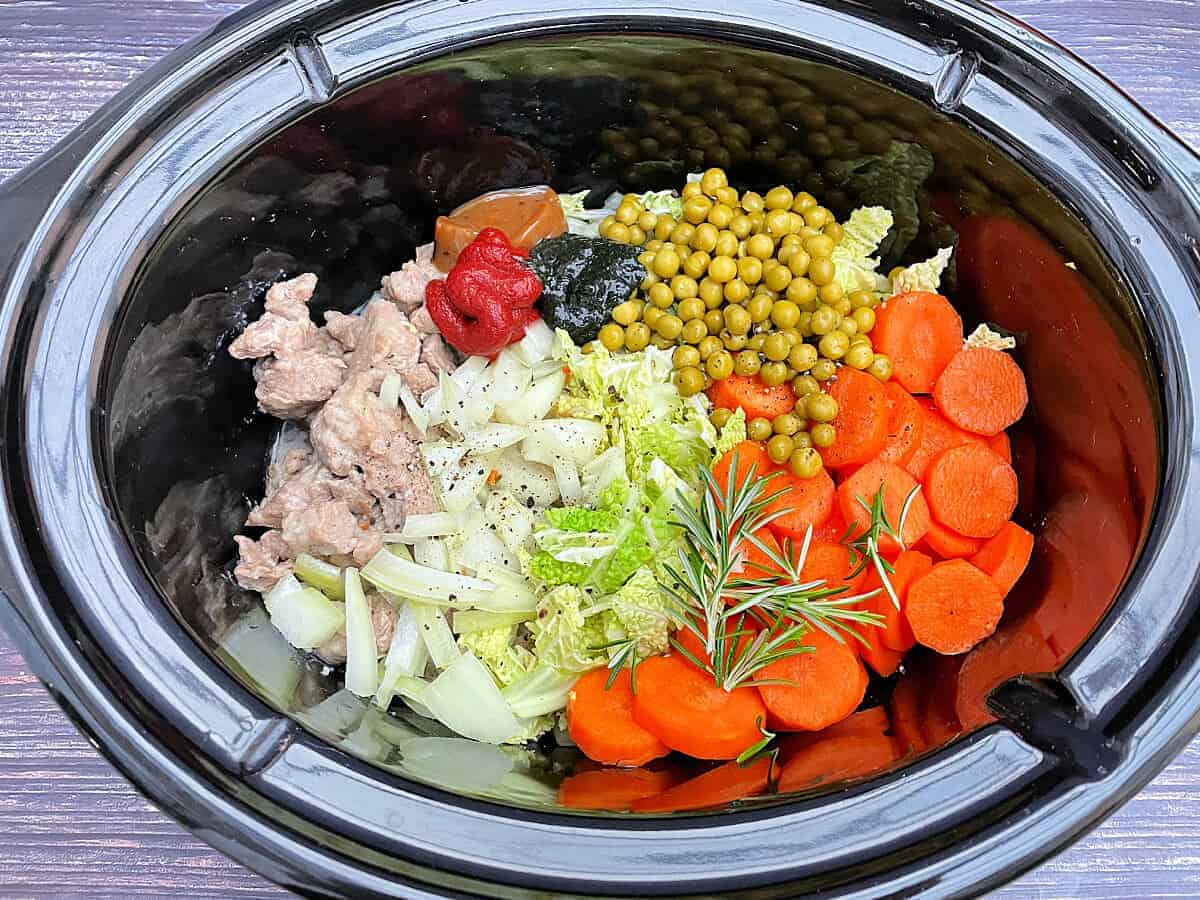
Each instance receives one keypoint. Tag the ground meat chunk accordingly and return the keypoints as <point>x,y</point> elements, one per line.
<point>420,378</point>
<point>344,329</point>
<point>406,288</point>
<point>422,321</point>
<point>285,326</point>
<point>294,385</point>
<point>395,470</point>
<point>436,355</point>
<point>323,529</point>
<point>383,623</point>
<point>263,562</point>
<point>387,344</point>
<point>281,471</point>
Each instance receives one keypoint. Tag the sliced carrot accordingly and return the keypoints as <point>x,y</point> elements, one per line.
<point>905,707</point>
<point>982,390</point>
<point>897,484</point>
<point>1005,556</point>
<point>971,490</point>
<point>906,425</point>
<point>861,421</point>
<point>1014,650</point>
<point>831,563</point>
<point>683,708</point>
<point>805,502</point>
<point>600,721</point>
<point>827,685</point>
<point>756,563</point>
<point>909,566</point>
<point>751,394</point>
<point>834,528</point>
<point>864,722</point>
<point>749,454</point>
<point>948,543</point>
<point>953,607</point>
<point>939,434</point>
<point>882,660</point>
<point>921,333</point>
<point>691,642</point>
<point>825,760</point>
<point>612,789</point>
<point>716,788</point>
<point>1001,446</point>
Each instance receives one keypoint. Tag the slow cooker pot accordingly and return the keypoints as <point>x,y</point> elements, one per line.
<point>325,136</point>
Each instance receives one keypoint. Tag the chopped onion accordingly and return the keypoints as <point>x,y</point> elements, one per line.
<point>439,641</point>
<point>512,593</point>
<point>543,690</point>
<point>545,368</point>
<point>510,378</point>
<point>362,658</point>
<point>601,472</point>
<point>484,548</point>
<point>424,584</point>
<point>325,577</point>
<point>466,700</point>
<point>468,620</point>
<point>576,440</point>
<point>406,658</point>
<point>536,345</point>
<point>389,391</point>
<point>466,375</point>
<point>462,484</point>
<point>427,525</point>
<point>420,417</point>
<point>536,402</point>
<point>303,615</point>
<point>432,552</point>
<point>568,481</point>
<point>527,481</point>
<point>264,655</point>
<point>492,437</point>
<point>512,520</point>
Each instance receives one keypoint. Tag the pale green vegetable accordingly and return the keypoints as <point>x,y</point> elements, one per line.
<point>362,658</point>
<point>645,613</point>
<point>985,337</point>
<point>325,577</point>
<point>541,691</point>
<point>732,434</point>
<point>436,634</point>
<point>494,648</point>
<point>303,615</point>
<point>922,276</point>
<point>465,699</point>
<point>469,620</point>
<point>402,578</point>
<point>407,655</point>
<point>567,636</point>
<point>854,260</point>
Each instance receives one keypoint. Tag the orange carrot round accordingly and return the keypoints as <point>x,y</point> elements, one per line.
<point>1005,556</point>
<point>921,332</point>
<point>715,788</point>
<point>971,490</point>
<point>748,453</point>
<point>807,501</point>
<point>948,543</point>
<point>897,484</point>
<point>861,421</point>
<point>828,684</point>
<point>612,789</point>
<point>830,562</point>
<point>905,427</point>
<point>953,607</point>
<point>682,707</point>
<point>894,632</point>
<point>751,394</point>
<point>981,390</point>
<point>833,529</point>
<point>938,434</point>
<point>691,642</point>
<point>600,720</point>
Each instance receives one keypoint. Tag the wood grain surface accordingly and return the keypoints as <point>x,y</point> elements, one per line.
<point>71,826</point>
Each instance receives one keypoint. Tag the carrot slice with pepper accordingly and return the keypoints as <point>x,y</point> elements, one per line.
<point>749,454</point>
<point>857,494</point>
<point>718,787</point>
<point>682,707</point>
<point>906,425</point>
<point>981,390</point>
<point>833,529</point>
<point>971,490</point>
<point>751,394</point>
<point>938,434</point>
<point>600,721</point>
<point>948,543</point>
<point>953,607</point>
<point>861,421</point>
<point>908,567</point>
<point>1005,556</point>
<point>827,685</point>
<point>921,333</point>
<point>612,789</point>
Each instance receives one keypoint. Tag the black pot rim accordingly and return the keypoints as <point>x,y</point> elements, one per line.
<point>228,790</point>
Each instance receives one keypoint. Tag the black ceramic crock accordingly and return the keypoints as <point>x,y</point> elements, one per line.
<point>324,136</point>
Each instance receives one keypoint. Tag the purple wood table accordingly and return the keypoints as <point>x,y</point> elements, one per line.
<point>71,826</point>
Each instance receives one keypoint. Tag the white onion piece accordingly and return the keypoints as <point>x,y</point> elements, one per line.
<point>439,641</point>
<point>303,615</point>
<point>362,658</point>
<point>569,485</point>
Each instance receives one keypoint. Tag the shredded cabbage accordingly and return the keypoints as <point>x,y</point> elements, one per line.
<point>565,635</point>
<point>732,434</point>
<point>540,691</point>
<point>984,336</point>
<point>855,265</point>
<point>494,648</point>
<point>922,276</point>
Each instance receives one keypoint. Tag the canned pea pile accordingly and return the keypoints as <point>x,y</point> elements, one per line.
<point>745,284</point>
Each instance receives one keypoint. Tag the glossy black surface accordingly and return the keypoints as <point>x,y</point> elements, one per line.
<point>133,424</point>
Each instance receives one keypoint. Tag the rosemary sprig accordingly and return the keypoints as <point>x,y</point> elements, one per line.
<point>626,652</point>
<point>786,607</point>
<point>864,549</point>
